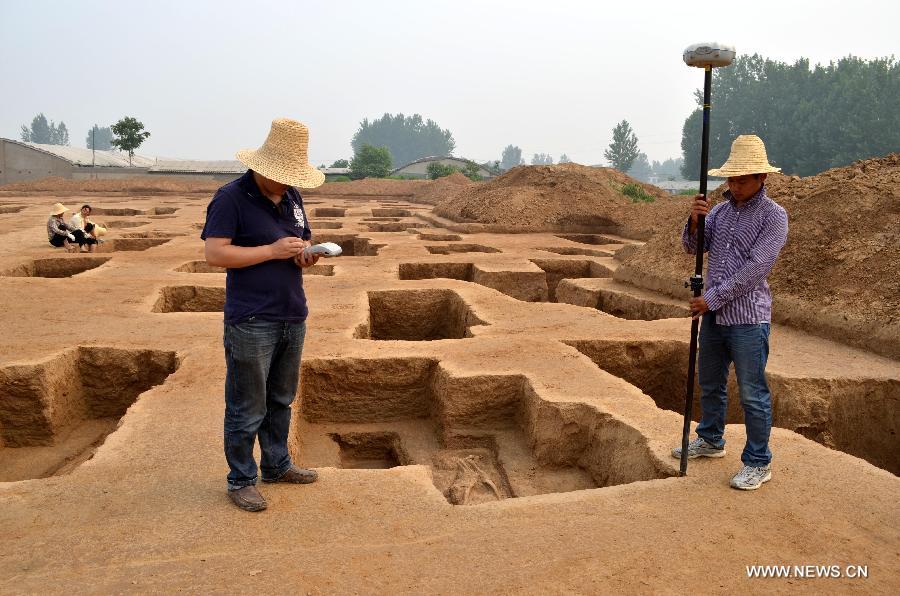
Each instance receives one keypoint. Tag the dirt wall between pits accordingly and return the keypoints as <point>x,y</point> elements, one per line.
<point>838,276</point>
<point>565,197</point>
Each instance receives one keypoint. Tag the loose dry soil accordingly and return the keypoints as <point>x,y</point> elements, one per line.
<point>489,412</point>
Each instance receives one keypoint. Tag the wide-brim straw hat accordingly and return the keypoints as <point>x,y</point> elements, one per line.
<point>284,156</point>
<point>58,209</point>
<point>748,156</point>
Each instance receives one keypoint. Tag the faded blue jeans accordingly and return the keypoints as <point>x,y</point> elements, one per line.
<point>262,360</point>
<point>748,347</point>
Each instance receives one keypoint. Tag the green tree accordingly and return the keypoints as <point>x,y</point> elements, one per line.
<point>408,138</point>
<point>130,134</point>
<point>39,132</point>
<point>541,159</point>
<point>99,138</point>
<point>641,168</point>
<point>811,118</point>
<point>438,170</point>
<point>564,159</point>
<point>512,157</point>
<point>59,134</point>
<point>370,162</point>
<point>340,163</point>
<point>623,149</point>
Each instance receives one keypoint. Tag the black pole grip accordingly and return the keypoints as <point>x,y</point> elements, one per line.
<point>697,279</point>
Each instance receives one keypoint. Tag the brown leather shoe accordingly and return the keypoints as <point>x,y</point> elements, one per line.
<point>248,498</point>
<point>295,475</point>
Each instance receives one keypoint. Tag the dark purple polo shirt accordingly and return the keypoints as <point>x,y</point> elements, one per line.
<point>271,290</point>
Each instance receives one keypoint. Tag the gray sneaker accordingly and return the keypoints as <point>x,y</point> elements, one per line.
<point>699,448</point>
<point>751,477</point>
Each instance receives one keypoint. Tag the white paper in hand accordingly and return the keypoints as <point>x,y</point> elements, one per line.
<point>326,249</point>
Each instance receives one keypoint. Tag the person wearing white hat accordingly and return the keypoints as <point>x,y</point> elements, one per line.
<point>58,232</point>
<point>743,235</point>
<point>256,228</point>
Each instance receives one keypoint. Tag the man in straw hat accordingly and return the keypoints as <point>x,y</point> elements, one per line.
<point>256,227</point>
<point>743,235</point>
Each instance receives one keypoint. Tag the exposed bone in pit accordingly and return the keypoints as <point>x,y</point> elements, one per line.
<point>190,299</point>
<point>457,248</point>
<point>559,269</point>
<point>131,244</point>
<point>418,315</point>
<point>56,267</point>
<point>485,437</point>
<point>54,414</point>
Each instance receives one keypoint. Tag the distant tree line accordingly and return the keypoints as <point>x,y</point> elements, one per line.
<point>811,119</point>
<point>45,133</point>
<point>643,169</point>
<point>127,134</point>
<point>407,138</point>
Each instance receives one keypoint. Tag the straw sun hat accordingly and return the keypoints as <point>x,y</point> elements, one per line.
<point>283,157</point>
<point>748,156</point>
<point>58,209</point>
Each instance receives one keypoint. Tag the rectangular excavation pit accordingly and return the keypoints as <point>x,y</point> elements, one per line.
<point>598,239</point>
<point>328,212</point>
<point>370,450</point>
<point>400,226</point>
<point>190,299</point>
<point>153,234</point>
<point>435,237</point>
<point>559,269</point>
<point>485,437</point>
<point>199,267</point>
<point>351,245</point>
<point>378,219</point>
<point>390,212</point>
<point>528,286</point>
<point>460,271</point>
<point>324,225</point>
<point>11,209</point>
<point>54,414</point>
<point>458,248</point>
<point>574,250</point>
<point>56,267</point>
<point>131,244</point>
<point>858,416</point>
<point>128,223</point>
<point>636,307</point>
<point>118,211</point>
<point>418,315</point>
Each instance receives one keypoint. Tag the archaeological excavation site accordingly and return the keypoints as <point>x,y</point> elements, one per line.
<point>493,378</point>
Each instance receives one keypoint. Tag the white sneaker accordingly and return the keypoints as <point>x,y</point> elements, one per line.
<point>751,477</point>
<point>699,448</point>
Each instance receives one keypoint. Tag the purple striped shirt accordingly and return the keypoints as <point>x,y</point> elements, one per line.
<point>743,243</point>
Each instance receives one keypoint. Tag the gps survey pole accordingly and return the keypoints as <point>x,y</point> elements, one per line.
<point>706,56</point>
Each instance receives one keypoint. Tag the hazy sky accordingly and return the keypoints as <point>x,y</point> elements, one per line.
<point>207,77</point>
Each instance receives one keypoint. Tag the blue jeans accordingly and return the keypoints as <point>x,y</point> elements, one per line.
<point>263,368</point>
<point>748,347</point>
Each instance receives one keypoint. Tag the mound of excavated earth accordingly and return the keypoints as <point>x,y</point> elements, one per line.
<point>442,188</point>
<point>565,197</point>
<point>839,273</point>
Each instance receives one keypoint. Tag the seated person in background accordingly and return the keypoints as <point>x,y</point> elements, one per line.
<point>83,229</point>
<point>57,231</point>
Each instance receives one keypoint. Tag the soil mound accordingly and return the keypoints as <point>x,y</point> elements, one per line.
<point>442,188</point>
<point>561,197</point>
<point>136,184</point>
<point>839,273</point>
<point>370,186</point>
